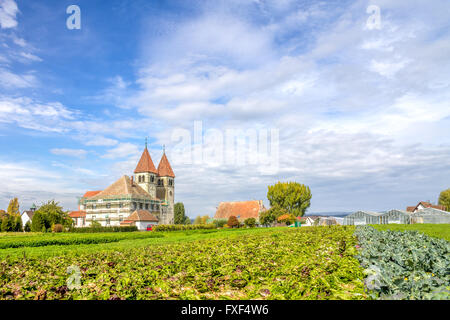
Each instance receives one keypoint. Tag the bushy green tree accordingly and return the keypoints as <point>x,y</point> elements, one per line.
<point>250,222</point>
<point>39,222</point>
<point>219,223</point>
<point>444,199</point>
<point>179,213</point>
<point>18,226</point>
<point>187,220</point>
<point>27,227</point>
<point>293,197</point>
<point>7,224</point>
<point>49,214</point>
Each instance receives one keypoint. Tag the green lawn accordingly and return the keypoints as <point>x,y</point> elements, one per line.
<point>433,230</point>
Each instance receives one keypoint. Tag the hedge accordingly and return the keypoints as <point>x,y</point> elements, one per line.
<point>180,227</point>
<point>104,229</point>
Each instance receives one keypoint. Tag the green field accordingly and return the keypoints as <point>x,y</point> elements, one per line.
<point>433,230</point>
<point>259,263</point>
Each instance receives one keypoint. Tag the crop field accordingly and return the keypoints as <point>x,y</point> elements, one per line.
<point>433,230</point>
<point>333,262</point>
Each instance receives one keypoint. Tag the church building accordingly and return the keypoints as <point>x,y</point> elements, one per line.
<point>143,199</point>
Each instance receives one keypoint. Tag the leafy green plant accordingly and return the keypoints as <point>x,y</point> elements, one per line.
<point>404,265</point>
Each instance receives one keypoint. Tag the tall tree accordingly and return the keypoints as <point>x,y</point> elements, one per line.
<point>444,199</point>
<point>293,197</point>
<point>198,220</point>
<point>13,207</point>
<point>179,213</point>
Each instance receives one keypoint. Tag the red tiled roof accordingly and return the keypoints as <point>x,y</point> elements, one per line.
<point>77,214</point>
<point>145,164</point>
<point>142,215</point>
<point>243,209</point>
<point>164,168</point>
<point>123,186</point>
<point>426,205</point>
<point>91,193</point>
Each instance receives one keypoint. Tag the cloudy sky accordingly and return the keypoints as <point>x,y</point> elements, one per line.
<point>360,106</point>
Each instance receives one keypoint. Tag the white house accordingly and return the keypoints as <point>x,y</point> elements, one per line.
<point>141,219</point>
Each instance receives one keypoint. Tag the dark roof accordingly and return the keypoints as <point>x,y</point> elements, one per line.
<point>29,213</point>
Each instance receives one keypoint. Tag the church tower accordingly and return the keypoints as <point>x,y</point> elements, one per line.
<point>145,173</point>
<point>165,189</point>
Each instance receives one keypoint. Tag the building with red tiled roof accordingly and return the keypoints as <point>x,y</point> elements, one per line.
<point>78,217</point>
<point>424,204</point>
<point>141,219</point>
<point>148,189</point>
<point>240,209</point>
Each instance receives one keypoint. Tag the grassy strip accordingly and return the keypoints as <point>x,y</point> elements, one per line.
<point>433,230</point>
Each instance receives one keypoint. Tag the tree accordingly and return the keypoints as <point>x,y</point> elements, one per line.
<point>250,222</point>
<point>27,227</point>
<point>287,218</point>
<point>179,213</point>
<point>8,223</point>
<point>233,222</point>
<point>18,225</point>
<point>13,207</point>
<point>444,199</point>
<point>187,220</point>
<point>198,220</point>
<point>205,219</point>
<point>293,197</point>
<point>38,222</point>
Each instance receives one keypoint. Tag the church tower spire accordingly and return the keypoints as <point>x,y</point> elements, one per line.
<point>145,172</point>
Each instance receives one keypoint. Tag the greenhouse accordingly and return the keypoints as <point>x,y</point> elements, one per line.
<point>396,216</point>
<point>430,215</point>
<point>363,217</point>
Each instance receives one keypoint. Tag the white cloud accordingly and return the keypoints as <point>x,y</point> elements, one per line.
<point>12,80</point>
<point>122,150</point>
<point>8,12</point>
<point>77,153</point>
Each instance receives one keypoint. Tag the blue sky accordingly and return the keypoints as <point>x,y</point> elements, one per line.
<point>363,113</point>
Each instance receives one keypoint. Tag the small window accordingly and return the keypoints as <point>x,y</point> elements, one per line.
<point>108,206</point>
<point>121,205</point>
<point>146,206</point>
<point>140,205</point>
<point>93,218</point>
<point>152,178</point>
<point>120,218</point>
<point>94,206</point>
<point>107,221</point>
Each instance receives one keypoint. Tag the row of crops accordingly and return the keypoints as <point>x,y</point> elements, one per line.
<point>40,240</point>
<point>333,262</point>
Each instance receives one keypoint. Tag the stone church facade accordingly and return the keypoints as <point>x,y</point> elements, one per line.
<point>150,189</point>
